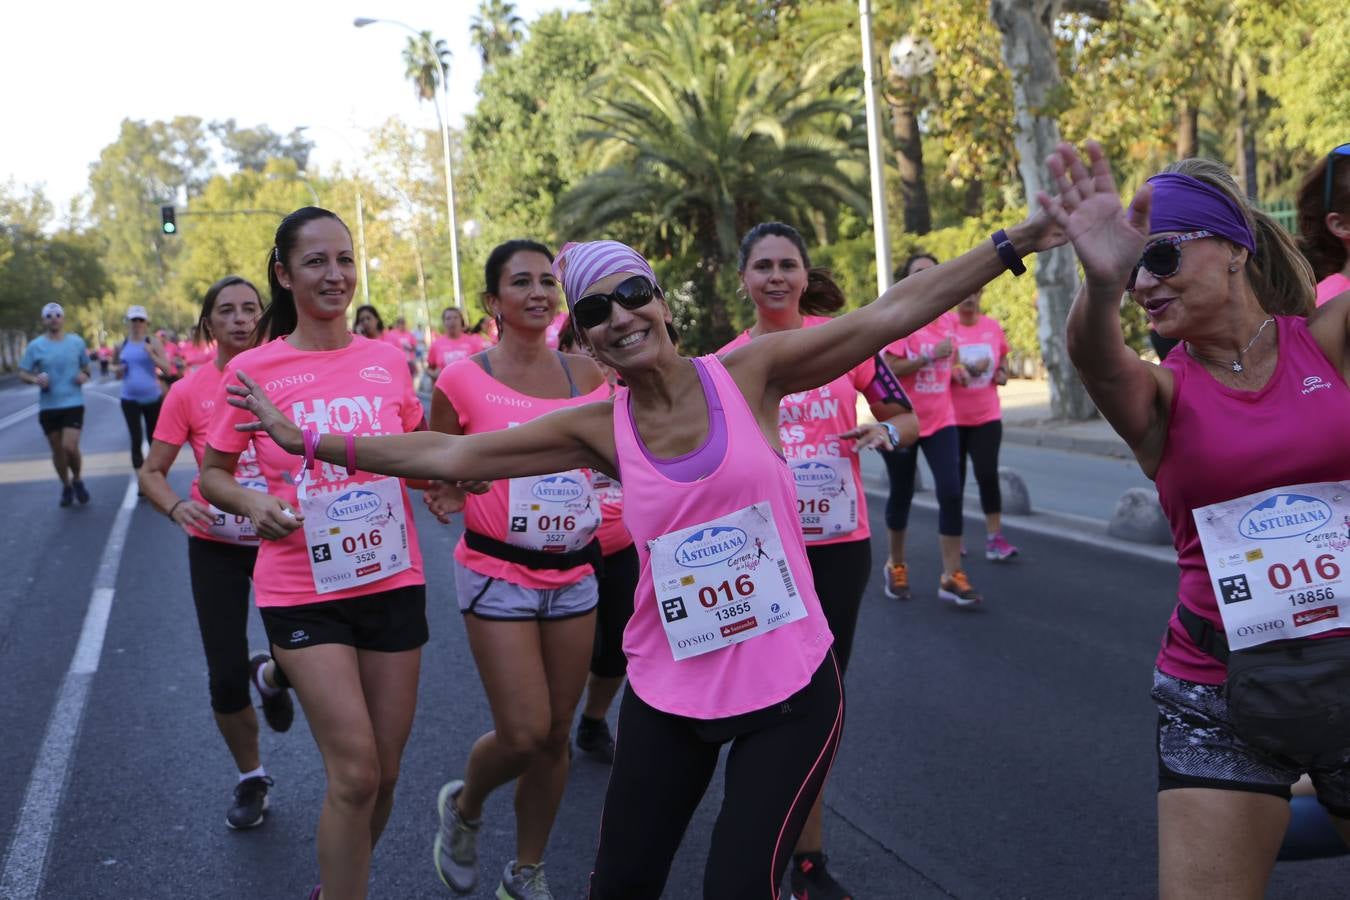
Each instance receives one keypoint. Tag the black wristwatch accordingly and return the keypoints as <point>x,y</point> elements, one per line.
<point>1008,253</point>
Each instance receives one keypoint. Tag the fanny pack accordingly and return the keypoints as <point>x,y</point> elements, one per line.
<point>537,559</point>
<point>1288,697</point>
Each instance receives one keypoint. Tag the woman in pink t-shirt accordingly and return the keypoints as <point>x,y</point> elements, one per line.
<point>524,570</point>
<point>727,642</point>
<point>923,361</point>
<point>1324,222</point>
<point>339,574</point>
<point>222,549</point>
<point>981,354</point>
<point>453,345</point>
<point>822,440</point>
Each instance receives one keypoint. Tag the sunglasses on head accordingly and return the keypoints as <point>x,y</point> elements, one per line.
<point>1329,180</point>
<point>594,309</point>
<point>1162,257</point>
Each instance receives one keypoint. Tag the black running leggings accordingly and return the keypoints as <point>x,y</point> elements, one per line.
<point>133,412</point>
<point>778,762</point>
<point>841,572</point>
<point>617,585</point>
<point>221,574</point>
<point>979,444</point>
<point>942,450</point>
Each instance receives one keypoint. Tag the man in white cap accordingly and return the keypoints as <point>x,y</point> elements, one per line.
<point>58,363</point>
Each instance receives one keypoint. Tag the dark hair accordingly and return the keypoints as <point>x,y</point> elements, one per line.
<point>904,271</point>
<point>501,254</point>
<point>478,327</point>
<point>202,327</point>
<point>280,317</point>
<point>821,296</point>
<point>1279,275</point>
<point>1324,250</point>
<point>366,307</point>
<point>457,311</point>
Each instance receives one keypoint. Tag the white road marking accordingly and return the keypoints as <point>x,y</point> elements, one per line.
<point>26,860</point>
<point>28,412</point>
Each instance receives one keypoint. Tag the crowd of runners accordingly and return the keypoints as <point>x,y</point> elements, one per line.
<point>632,515</point>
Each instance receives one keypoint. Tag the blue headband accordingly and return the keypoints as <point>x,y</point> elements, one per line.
<point>1183,203</point>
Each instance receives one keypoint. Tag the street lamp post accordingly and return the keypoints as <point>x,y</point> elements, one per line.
<point>880,228</point>
<point>444,121</point>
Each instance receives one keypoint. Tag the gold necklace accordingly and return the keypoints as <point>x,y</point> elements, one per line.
<point>1235,365</point>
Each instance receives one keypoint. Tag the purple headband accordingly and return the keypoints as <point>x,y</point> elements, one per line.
<point>1183,203</point>
<point>579,266</point>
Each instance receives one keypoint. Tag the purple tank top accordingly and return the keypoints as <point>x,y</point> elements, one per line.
<point>1224,443</point>
<point>704,459</point>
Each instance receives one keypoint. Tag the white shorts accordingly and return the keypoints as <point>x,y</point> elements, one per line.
<point>492,598</point>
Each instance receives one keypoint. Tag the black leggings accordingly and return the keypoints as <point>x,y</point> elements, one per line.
<point>616,585</point>
<point>840,572</point>
<point>942,450</point>
<point>777,764</point>
<point>979,444</point>
<point>220,575</point>
<point>133,412</point>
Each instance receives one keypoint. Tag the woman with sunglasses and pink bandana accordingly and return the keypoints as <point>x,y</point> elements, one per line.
<point>727,643</point>
<point>1324,222</point>
<point>1243,428</point>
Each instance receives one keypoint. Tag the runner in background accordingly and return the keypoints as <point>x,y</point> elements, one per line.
<point>981,368</point>
<point>524,575</point>
<point>137,359</point>
<point>617,583</point>
<point>339,573</point>
<point>821,438</point>
<point>486,328</point>
<point>406,341</point>
<point>453,344</point>
<point>368,324</point>
<point>1324,222</point>
<point>923,361</point>
<point>222,548</point>
<point>555,329</point>
<point>58,363</point>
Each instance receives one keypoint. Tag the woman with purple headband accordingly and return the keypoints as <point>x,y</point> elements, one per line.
<point>727,643</point>
<point>1243,428</point>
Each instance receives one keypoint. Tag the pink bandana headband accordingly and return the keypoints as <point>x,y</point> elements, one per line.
<point>580,265</point>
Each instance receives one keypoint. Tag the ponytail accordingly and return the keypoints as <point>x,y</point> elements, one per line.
<point>1279,275</point>
<point>281,317</point>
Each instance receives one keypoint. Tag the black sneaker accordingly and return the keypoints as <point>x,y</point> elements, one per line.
<point>594,739</point>
<point>278,709</point>
<point>250,802</point>
<point>811,880</point>
<point>81,492</point>
<point>67,495</point>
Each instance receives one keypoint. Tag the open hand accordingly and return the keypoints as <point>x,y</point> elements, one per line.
<point>1107,237</point>
<point>870,435</point>
<point>270,419</point>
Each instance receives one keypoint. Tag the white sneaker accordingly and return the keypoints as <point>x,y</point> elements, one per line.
<point>456,847</point>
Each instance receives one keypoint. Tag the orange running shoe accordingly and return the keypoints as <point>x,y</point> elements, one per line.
<point>897,581</point>
<point>957,589</point>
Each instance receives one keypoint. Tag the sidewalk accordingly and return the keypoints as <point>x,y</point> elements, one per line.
<point>1027,420</point>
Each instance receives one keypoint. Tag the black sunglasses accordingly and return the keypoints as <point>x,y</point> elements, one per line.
<point>594,309</point>
<point>1162,257</point>
<point>1330,180</point>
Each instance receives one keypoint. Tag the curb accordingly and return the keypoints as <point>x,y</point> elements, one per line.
<point>1057,440</point>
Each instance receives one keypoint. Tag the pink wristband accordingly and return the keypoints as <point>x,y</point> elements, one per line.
<point>351,455</point>
<point>311,438</point>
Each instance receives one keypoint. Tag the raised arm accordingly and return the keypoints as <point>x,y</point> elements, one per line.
<point>805,358</point>
<point>577,437</point>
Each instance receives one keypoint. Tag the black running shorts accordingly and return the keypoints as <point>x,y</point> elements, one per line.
<point>388,621</point>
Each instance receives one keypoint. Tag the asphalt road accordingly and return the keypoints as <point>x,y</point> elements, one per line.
<point>1001,752</point>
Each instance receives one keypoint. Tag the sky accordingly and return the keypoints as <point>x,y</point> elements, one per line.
<point>71,72</point>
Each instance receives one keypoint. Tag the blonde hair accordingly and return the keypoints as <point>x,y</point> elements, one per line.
<point>1279,275</point>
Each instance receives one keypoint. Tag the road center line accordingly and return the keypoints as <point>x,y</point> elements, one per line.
<point>26,860</point>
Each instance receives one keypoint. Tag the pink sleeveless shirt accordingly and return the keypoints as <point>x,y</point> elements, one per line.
<point>485,404</point>
<point>743,677</point>
<point>1224,443</point>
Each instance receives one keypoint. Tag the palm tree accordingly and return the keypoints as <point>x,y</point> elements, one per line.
<point>421,58</point>
<point>701,141</point>
<point>496,29</point>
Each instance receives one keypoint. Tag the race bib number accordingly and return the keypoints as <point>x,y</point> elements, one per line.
<point>555,513</point>
<point>827,499</point>
<point>1277,561</point>
<point>355,535</point>
<point>723,581</point>
<point>234,529</point>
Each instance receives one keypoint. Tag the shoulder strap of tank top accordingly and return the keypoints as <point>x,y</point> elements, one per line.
<point>483,360</point>
<point>571,385</point>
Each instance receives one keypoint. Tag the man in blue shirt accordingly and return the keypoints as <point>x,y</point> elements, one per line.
<point>58,363</point>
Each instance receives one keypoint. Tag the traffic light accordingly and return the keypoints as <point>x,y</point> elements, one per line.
<point>166,220</point>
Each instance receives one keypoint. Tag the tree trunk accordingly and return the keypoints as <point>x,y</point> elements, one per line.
<point>909,161</point>
<point>1029,51</point>
<point>1188,128</point>
<point>974,199</point>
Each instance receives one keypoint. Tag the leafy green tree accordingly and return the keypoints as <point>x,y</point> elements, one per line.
<point>251,148</point>
<point>496,30</point>
<point>422,58</point>
<point>696,141</point>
